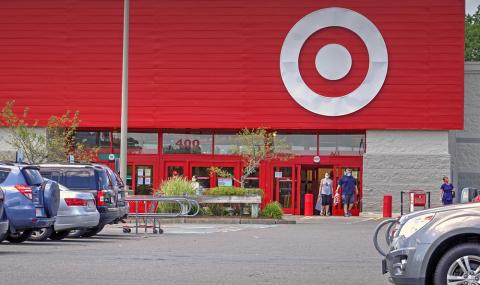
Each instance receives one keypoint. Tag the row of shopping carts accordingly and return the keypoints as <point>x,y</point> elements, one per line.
<point>148,210</point>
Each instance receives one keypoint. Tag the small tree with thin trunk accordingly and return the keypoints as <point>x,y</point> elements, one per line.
<point>255,146</point>
<point>56,145</point>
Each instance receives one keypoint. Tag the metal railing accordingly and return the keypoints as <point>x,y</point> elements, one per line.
<point>182,206</point>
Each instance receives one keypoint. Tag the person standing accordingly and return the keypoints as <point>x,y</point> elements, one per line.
<point>348,184</point>
<point>196,185</point>
<point>447,192</point>
<point>326,188</point>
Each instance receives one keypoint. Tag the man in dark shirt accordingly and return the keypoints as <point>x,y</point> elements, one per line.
<point>348,185</point>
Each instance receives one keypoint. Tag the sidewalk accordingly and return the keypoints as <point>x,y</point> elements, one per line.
<point>287,219</point>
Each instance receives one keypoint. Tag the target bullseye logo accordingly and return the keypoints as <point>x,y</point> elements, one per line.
<point>333,61</point>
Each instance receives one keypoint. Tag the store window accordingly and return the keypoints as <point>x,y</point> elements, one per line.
<point>226,143</point>
<point>90,139</point>
<point>196,143</point>
<point>252,181</point>
<point>226,181</point>
<point>203,176</point>
<point>93,139</point>
<point>342,144</point>
<point>138,143</point>
<point>299,144</point>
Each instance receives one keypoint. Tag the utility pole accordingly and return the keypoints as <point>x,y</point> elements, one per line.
<point>124,120</point>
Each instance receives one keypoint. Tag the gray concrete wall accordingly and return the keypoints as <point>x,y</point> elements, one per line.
<point>398,161</point>
<point>466,143</point>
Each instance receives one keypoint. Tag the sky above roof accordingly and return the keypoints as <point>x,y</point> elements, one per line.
<point>471,6</point>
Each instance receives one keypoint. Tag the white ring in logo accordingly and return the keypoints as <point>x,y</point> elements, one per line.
<point>363,94</point>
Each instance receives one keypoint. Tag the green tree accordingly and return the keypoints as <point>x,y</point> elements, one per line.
<point>55,145</point>
<point>22,135</point>
<point>472,36</point>
<point>255,146</point>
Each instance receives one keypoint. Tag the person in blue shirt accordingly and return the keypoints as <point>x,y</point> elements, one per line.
<point>447,191</point>
<point>349,190</point>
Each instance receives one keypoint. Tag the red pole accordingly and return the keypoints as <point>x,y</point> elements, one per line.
<point>308,211</point>
<point>387,206</point>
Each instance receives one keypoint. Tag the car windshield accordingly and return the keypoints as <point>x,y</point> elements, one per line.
<point>80,179</point>
<point>32,176</point>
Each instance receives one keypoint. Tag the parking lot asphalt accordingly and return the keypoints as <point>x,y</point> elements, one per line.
<point>315,251</point>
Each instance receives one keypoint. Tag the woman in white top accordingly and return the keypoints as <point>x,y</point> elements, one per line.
<point>326,188</point>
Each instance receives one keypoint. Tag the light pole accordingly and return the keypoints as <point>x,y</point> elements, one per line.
<point>124,120</point>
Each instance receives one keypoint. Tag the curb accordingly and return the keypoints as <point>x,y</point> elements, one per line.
<point>233,220</point>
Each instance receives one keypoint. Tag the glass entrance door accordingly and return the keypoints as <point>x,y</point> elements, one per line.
<point>143,179</point>
<point>283,183</point>
<point>309,183</point>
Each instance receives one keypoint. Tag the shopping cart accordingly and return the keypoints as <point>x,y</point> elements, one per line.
<point>183,206</point>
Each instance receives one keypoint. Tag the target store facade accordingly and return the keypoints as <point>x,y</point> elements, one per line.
<point>374,86</point>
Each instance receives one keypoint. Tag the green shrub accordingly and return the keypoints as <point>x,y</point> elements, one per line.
<point>168,207</point>
<point>177,186</point>
<point>273,210</point>
<point>205,211</point>
<point>233,191</point>
<point>218,210</point>
<point>254,192</point>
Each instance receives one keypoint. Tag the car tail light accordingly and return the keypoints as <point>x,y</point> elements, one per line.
<point>25,190</point>
<point>100,198</point>
<point>75,202</point>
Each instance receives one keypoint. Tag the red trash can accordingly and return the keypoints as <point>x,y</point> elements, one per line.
<point>308,209</point>
<point>387,206</point>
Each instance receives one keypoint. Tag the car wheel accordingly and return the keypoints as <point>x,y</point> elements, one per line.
<point>41,234</point>
<point>59,235</point>
<point>92,232</point>
<point>460,265</point>
<point>19,237</point>
<point>76,233</point>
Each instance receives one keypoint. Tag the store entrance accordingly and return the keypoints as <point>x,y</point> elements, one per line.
<point>309,183</point>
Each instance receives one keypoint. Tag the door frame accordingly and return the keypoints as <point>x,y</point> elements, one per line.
<point>146,160</point>
<point>274,189</point>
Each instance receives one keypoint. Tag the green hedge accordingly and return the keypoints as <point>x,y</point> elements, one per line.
<point>177,186</point>
<point>273,210</point>
<point>233,191</point>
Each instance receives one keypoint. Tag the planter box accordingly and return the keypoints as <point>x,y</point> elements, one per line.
<point>254,201</point>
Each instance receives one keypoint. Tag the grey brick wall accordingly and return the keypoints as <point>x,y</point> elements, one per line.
<point>466,143</point>
<point>398,161</point>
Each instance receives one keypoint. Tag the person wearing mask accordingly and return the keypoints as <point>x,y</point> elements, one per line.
<point>447,192</point>
<point>196,185</point>
<point>348,184</point>
<point>326,188</point>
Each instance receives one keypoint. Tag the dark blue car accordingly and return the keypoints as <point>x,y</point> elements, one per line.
<point>30,202</point>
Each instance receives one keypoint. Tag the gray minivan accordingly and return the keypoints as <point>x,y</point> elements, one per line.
<point>436,246</point>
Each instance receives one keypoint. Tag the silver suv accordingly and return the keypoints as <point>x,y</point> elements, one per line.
<point>436,246</point>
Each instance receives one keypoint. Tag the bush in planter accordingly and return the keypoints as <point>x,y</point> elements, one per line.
<point>177,186</point>
<point>233,191</point>
<point>273,210</point>
<point>205,211</point>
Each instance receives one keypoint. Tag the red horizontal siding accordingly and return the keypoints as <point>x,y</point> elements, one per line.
<point>215,63</point>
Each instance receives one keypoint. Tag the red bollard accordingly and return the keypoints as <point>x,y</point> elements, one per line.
<point>387,206</point>
<point>308,210</point>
